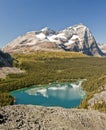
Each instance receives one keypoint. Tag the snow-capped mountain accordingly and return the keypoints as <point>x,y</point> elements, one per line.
<point>77,38</point>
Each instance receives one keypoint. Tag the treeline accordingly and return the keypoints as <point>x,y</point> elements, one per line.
<point>47,67</point>
<point>6,99</point>
<point>100,106</point>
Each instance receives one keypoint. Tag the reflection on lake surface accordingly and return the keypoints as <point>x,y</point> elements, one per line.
<point>66,95</point>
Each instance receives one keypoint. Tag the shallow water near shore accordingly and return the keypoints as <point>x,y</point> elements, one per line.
<point>67,95</point>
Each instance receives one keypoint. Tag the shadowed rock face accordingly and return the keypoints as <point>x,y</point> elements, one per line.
<point>5,59</point>
<point>77,38</point>
<point>41,118</point>
<point>6,65</point>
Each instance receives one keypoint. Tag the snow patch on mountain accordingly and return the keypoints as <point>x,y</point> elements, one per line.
<point>75,37</point>
<point>41,36</point>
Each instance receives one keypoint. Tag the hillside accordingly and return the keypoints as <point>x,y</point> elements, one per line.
<point>55,67</point>
<point>58,67</point>
<point>77,38</point>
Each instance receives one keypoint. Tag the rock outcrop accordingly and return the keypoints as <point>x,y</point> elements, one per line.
<point>41,118</point>
<point>6,65</point>
<point>77,38</point>
<point>5,59</point>
<point>99,97</point>
<point>4,71</point>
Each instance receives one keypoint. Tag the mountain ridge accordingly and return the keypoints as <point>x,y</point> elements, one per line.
<point>102,46</point>
<point>76,38</point>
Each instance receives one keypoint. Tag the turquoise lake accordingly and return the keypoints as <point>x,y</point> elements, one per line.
<point>67,95</point>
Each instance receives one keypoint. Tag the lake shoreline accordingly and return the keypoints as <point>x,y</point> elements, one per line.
<point>50,91</point>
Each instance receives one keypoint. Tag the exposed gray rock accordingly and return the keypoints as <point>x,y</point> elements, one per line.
<point>5,59</point>
<point>42,118</point>
<point>4,71</point>
<point>6,63</point>
<point>77,38</point>
<point>98,98</point>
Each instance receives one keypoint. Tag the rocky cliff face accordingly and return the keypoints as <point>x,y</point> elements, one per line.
<point>42,118</point>
<point>77,38</point>
<point>5,59</point>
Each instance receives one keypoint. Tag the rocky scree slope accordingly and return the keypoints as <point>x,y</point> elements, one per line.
<point>42,118</point>
<point>76,38</point>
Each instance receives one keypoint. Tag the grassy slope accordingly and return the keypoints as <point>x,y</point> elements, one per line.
<point>46,67</point>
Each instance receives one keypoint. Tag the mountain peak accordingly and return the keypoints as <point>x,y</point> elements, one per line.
<point>45,29</point>
<point>80,24</point>
<point>76,38</point>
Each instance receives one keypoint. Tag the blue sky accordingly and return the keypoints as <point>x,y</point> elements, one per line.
<point>20,16</point>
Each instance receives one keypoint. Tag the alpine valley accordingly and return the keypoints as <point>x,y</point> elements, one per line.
<point>47,63</point>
